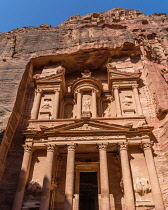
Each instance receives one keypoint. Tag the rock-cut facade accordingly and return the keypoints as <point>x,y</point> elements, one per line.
<point>84,114</point>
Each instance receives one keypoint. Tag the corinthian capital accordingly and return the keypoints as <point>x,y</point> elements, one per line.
<point>71,147</point>
<point>122,145</point>
<point>50,147</point>
<point>146,145</point>
<point>102,147</point>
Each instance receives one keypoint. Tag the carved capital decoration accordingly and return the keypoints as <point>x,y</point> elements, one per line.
<point>27,148</point>
<point>146,145</point>
<point>122,145</point>
<point>53,185</point>
<point>50,147</point>
<point>102,147</point>
<point>71,147</point>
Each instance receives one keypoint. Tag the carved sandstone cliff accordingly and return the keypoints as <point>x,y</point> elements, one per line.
<point>128,38</point>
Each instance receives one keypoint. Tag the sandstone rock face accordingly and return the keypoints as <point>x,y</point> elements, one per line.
<point>132,41</point>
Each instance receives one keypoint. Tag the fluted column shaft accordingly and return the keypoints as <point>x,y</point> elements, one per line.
<point>22,178</point>
<point>117,100</point>
<point>69,183</point>
<point>156,192</point>
<point>56,104</point>
<point>79,104</point>
<point>126,175</point>
<point>36,104</point>
<point>137,101</point>
<point>94,104</point>
<point>45,195</point>
<point>104,181</point>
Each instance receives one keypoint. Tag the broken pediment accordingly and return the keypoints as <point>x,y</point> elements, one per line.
<point>56,78</point>
<point>115,74</point>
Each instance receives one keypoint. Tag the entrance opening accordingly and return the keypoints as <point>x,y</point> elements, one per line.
<point>88,192</point>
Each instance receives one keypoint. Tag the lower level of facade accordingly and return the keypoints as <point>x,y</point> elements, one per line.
<point>106,167</point>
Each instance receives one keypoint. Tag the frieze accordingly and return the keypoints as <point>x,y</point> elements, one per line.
<point>85,138</point>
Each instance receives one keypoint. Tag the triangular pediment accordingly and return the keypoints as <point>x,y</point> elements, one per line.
<point>86,126</point>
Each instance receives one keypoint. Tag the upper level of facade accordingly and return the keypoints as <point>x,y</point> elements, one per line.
<point>99,94</point>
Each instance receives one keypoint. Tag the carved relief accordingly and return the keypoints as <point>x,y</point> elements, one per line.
<point>68,110</point>
<point>106,109</point>
<point>142,186</point>
<point>34,188</point>
<point>86,105</point>
<point>46,106</point>
<point>86,127</point>
<point>127,100</point>
<point>86,74</point>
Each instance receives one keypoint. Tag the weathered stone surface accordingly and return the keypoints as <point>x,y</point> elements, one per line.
<point>131,40</point>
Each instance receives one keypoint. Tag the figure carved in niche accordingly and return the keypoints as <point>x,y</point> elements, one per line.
<point>46,105</point>
<point>68,114</point>
<point>128,100</point>
<point>34,188</point>
<point>107,112</point>
<point>86,105</point>
<point>142,186</point>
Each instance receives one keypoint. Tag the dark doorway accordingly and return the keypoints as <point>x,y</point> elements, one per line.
<point>88,192</point>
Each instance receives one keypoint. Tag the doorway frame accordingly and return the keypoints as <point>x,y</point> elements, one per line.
<point>85,167</point>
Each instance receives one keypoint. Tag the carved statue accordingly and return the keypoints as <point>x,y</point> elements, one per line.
<point>34,188</point>
<point>46,105</point>
<point>107,112</point>
<point>142,186</point>
<point>128,100</point>
<point>86,105</point>
<point>68,114</point>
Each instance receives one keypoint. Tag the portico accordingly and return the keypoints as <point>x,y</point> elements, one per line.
<point>101,154</point>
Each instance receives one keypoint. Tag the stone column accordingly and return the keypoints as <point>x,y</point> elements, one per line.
<point>117,100</point>
<point>137,101</point>
<point>104,181</point>
<point>22,178</point>
<point>126,176</point>
<point>79,104</point>
<point>94,104</point>
<point>69,183</point>
<point>36,104</point>
<point>56,104</point>
<point>156,192</point>
<point>45,195</point>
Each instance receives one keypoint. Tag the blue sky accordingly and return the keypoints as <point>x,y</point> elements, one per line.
<point>20,13</point>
